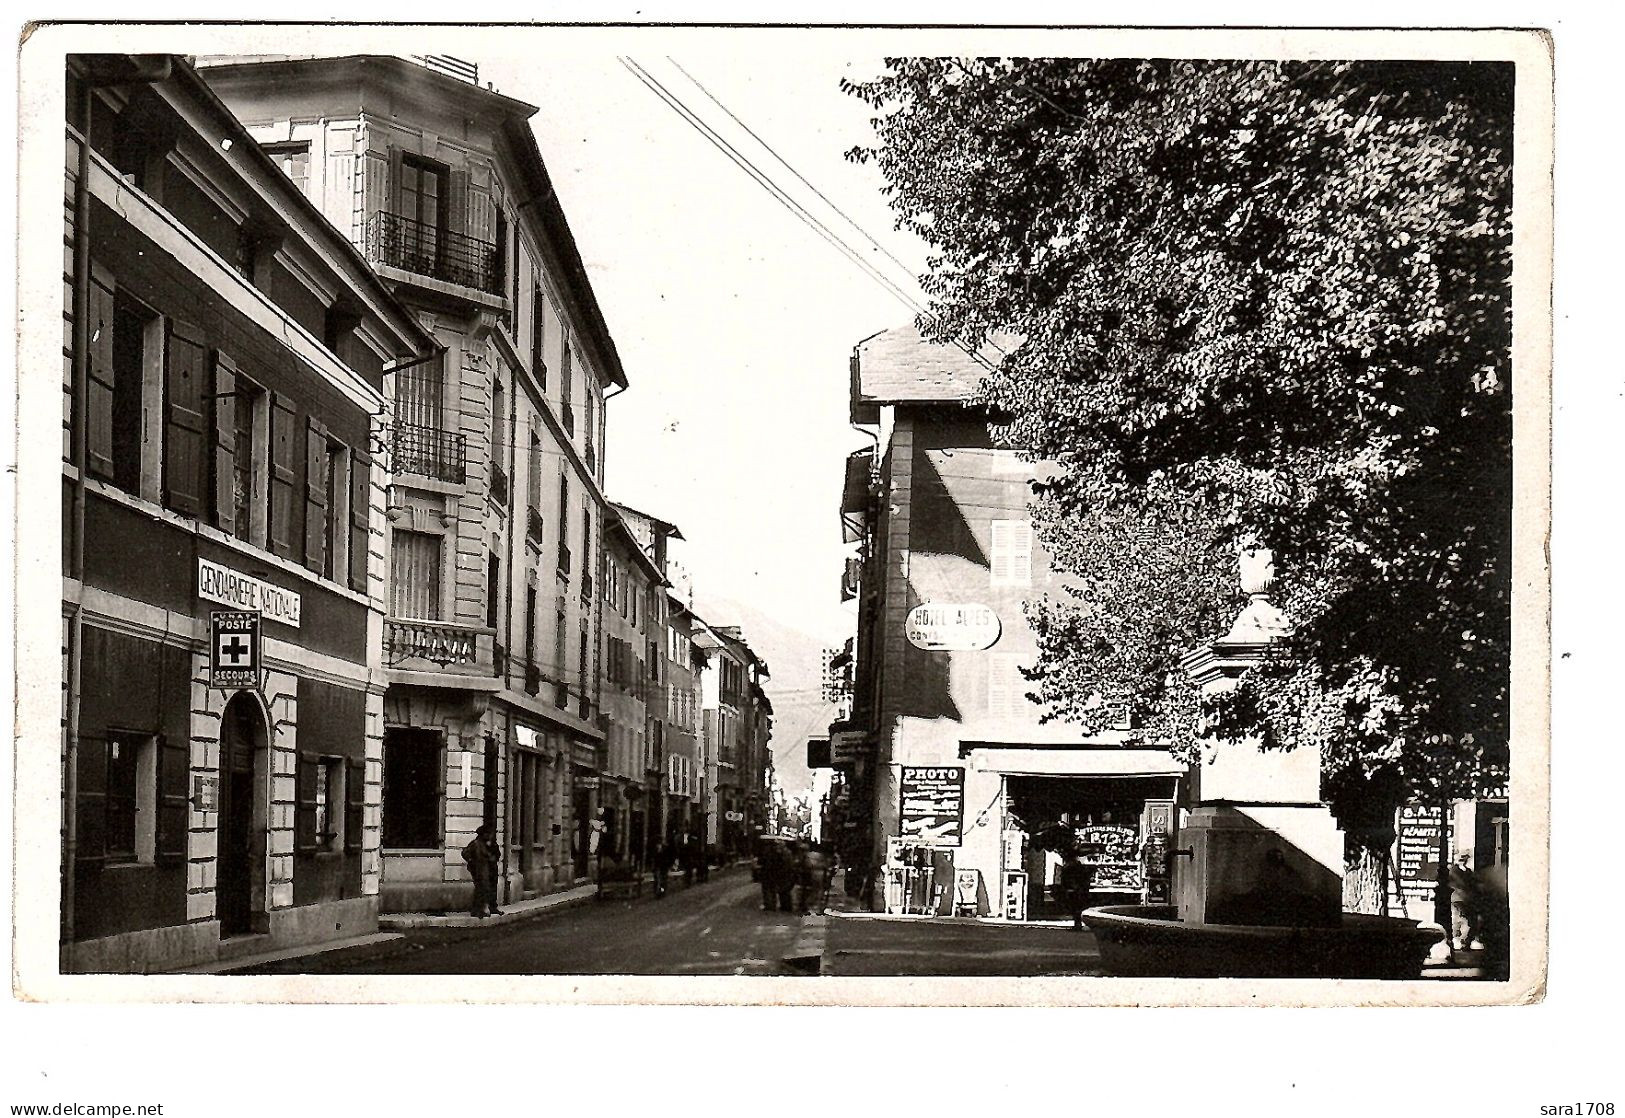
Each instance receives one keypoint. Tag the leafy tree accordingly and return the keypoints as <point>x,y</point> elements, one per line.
<point>1258,304</point>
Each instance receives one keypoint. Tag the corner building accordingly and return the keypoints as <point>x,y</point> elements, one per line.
<point>225,359</point>
<point>953,787</point>
<point>495,509</point>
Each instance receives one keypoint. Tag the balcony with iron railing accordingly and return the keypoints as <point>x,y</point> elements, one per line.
<point>499,485</point>
<point>427,250</point>
<point>533,526</point>
<point>592,459</point>
<point>586,587</point>
<point>430,452</point>
<point>564,558</point>
<point>567,416</point>
<point>439,647</point>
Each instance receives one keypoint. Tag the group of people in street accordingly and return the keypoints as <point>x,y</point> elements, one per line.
<point>685,853</point>
<point>794,874</point>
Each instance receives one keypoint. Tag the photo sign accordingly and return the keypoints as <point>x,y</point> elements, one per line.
<point>933,808</point>
<point>234,649</point>
<point>949,627</point>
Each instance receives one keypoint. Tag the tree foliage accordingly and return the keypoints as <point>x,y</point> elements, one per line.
<point>1259,303</point>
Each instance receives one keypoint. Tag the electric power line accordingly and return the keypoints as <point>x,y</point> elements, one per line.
<point>762,179</point>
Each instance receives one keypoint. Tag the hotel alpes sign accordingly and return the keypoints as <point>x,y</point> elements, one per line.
<point>947,627</point>
<point>245,592</point>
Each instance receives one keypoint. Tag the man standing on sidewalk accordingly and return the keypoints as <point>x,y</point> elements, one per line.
<point>482,857</point>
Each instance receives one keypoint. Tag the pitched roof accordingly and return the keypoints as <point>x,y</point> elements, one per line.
<point>900,366</point>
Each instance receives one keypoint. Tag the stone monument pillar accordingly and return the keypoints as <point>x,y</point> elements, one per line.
<point>1259,847</point>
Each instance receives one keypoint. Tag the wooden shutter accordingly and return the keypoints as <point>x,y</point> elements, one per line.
<point>355,799</point>
<point>307,773</point>
<point>282,476</point>
<point>98,421</point>
<point>91,835</point>
<point>360,517</point>
<point>184,378</point>
<point>225,443</point>
<point>456,203</point>
<point>315,495</point>
<point>174,803</point>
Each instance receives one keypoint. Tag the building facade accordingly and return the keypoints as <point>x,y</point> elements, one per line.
<point>634,798</point>
<point>223,605</point>
<point>736,727</point>
<point>954,794</point>
<point>496,506</point>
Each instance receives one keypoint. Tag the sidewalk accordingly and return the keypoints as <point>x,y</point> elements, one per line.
<point>515,911</point>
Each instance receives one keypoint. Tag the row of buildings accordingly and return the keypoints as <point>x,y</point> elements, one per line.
<point>342,582</point>
<point>941,784</point>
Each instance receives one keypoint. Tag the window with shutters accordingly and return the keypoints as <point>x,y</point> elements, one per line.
<point>538,337</point>
<point>533,678</point>
<point>1006,687</point>
<point>241,430</point>
<point>131,815</point>
<point>186,382</point>
<point>567,414</point>
<point>335,545</point>
<point>130,342</point>
<point>319,807</point>
<point>414,575</point>
<point>1011,561</point>
<point>561,654</point>
<point>533,498</point>
<point>564,525</point>
<point>293,159</point>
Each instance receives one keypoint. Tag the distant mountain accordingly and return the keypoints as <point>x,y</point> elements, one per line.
<point>794,659</point>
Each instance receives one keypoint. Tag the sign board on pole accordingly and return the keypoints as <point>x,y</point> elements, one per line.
<point>846,746</point>
<point>933,808</point>
<point>1419,842</point>
<point>234,649</point>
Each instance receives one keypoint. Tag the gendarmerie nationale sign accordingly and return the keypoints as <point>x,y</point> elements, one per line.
<point>234,648</point>
<point>245,592</point>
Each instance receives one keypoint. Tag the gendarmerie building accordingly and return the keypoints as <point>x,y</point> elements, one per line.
<point>223,599</point>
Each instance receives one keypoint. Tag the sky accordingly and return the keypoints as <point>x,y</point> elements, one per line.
<point>735,321</point>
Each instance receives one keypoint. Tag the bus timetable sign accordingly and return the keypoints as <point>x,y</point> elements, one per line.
<point>234,648</point>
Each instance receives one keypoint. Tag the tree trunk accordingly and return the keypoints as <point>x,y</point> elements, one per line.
<point>1365,877</point>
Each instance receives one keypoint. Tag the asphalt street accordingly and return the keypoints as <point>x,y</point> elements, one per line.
<point>712,928</point>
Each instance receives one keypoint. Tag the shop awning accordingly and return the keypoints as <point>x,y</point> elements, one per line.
<point>1109,761</point>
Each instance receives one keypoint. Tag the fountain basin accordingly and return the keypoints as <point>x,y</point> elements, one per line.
<point>1145,941</point>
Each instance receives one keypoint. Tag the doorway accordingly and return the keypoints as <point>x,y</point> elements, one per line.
<point>582,803</point>
<point>240,873</point>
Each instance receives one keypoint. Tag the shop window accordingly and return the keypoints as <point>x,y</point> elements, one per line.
<point>1012,553</point>
<point>414,787</point>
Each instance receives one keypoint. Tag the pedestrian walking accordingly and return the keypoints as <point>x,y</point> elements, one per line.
<point>1466,907</point>
<point>660,861</point>
<point>697,858</point>
<point>685,852</point>
<point>790,870</point>
<point>483,858</point>
<point>817,869</point>
<point>768,856</point>
<point>1076,879</point>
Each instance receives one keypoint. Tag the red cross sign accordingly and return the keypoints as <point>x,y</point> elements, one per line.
<point>234,649</point>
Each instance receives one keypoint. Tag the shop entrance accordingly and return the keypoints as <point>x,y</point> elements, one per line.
<point>1097,816</point>
<point>240,870</point>
<point>581,801</point>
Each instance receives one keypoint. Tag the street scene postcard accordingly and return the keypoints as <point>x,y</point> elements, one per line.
<point>783,515</point>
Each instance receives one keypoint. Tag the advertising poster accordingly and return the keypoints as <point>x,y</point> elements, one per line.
<point>933,809</point>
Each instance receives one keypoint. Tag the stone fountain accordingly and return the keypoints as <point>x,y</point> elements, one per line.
<point>1258,865</point>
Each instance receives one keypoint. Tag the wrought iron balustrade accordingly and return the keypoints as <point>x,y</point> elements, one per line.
<point>431,452</point>
<point>533,678</point>
<point>561,694</point>
<point>567,416</point>
<point>533,526</point>
<point>564,558</point>
<point>499,485</point>
<point>414,246</point>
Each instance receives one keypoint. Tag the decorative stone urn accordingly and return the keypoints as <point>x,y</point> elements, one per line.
<point>1258,872</point>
